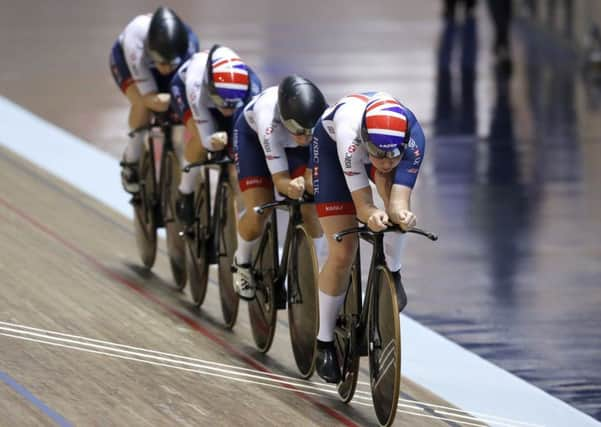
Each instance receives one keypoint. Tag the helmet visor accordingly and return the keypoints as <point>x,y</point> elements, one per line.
<point>378,153</point>
<point>296,129</point>
<point>159,59</point>
<point>221,102</point>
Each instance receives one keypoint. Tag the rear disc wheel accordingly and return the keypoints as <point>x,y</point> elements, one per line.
<point>384,345</point>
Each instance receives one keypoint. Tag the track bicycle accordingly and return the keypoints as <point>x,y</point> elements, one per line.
<point>154,204</point>
<point>212,239</point>
<point>298,264</point>
<point>371,327</point>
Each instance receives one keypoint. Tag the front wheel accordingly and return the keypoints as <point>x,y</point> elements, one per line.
<point>303,304</point>
<point>144,212</point>
<point>228,242</point>
<point>262,310</point>
<point>346,339</point>
<point>384,345</point>
<point>197,248</point>
<point>176,246</point>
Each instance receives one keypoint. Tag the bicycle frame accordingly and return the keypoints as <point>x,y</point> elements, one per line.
<point>294,219</point>
<point>378,259</point>
<point>212,231</point>
<point>158,169</point>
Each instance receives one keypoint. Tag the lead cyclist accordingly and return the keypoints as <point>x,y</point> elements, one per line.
<point>364,136</point>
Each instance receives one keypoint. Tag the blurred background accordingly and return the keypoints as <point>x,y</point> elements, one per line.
<point>509,93</point>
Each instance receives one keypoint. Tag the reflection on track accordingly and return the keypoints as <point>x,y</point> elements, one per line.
<point>239,374</point>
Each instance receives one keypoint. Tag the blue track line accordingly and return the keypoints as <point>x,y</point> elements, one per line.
<point>57,418</point>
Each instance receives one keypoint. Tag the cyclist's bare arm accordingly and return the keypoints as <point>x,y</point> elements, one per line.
<point>367,211</point>
<point>293,188</point>
<point>309,181</point>
<point>383,183</point>
<point>194,151</point>
<point>399,208</point>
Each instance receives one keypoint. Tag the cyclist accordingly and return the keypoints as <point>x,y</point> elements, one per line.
<point>208,92</point>
<point>271,142</point>
<point>143,61</point>
<point>364,136</point>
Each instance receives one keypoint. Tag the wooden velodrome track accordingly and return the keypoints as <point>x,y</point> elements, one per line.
<point>69,266</point>
<point>87,337</point>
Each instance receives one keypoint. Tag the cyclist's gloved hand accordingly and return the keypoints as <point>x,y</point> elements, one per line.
<point>218,140</point>
<point>296,187</point>
<point>378,221</point>
<point>404,218</point>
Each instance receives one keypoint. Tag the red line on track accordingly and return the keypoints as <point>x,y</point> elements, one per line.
<point>186,319</point>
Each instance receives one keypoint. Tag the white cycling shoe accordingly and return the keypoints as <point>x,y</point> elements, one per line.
<point>244,284</point>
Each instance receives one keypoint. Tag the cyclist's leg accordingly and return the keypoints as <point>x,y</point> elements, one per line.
<point>393,242</point>
<point>405,176</point>
<point>336,212</point>
<point>333,280</point>
<point>393,250</point>
<point>314,229</point>
<point>138,116</point>
<point>335,274</point>
<point>256,187</point>
<point>250,227</point>
<point>193,150</point>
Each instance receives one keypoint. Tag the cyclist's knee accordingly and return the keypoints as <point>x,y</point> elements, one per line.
<point>139,116</point>
<point>133,95</point>
<point>251,224</point>
<point>341,254</point>
<point>311,221</point>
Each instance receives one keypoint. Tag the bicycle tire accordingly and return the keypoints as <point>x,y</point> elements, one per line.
<point>262,309</point>
<point>228,242</point>
<point>303,314</point>
<point>346,338</point>
<point>384,347</point>
<point>145,228</point>
<point>197,262</point>
<point>176,246</point>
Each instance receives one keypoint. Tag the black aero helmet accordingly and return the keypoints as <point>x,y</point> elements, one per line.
<point>300,103</point>
<point>167,37</point>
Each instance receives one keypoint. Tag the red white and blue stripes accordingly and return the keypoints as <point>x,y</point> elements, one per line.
<point>230,75</point>
<point>385,122</point>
